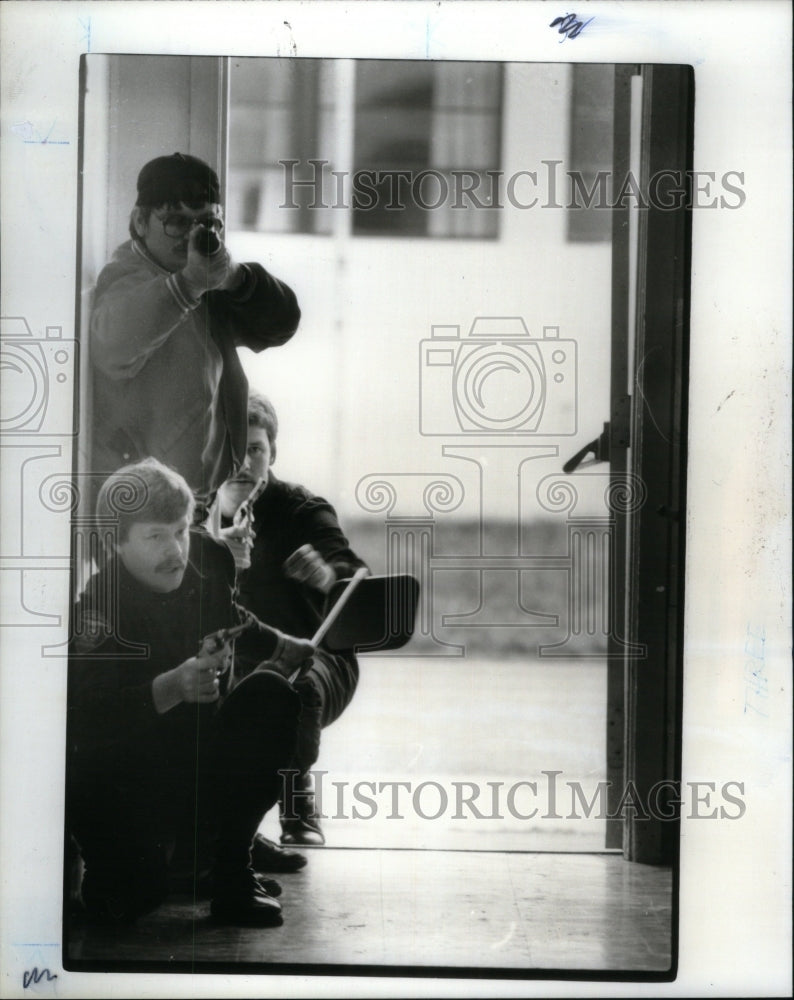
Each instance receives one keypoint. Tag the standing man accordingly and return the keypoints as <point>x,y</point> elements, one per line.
<point>298,551</point>
<point>169,312</point>
<point>163,747</point>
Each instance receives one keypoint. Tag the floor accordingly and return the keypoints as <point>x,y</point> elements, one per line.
<point>420,909</point>
<point>470,723</point>
<point>407,888</point>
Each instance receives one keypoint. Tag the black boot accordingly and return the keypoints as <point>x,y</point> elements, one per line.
<point>300,821</point>
<point>269,857</point>
<point>240,898</point>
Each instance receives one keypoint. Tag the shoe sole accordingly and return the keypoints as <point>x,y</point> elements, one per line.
<point>257,918</point>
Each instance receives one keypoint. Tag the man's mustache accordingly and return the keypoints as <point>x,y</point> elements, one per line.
<point>170,566</point>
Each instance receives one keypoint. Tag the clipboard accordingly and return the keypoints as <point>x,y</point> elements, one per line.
<point>369,613</point>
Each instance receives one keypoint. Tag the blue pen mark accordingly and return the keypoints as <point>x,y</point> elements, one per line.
<point>32,136</point>
<point>569,26</point>
<point>756,683</point>
<point>428,36</point>
<point>85,24</point>
<point>32,977</point>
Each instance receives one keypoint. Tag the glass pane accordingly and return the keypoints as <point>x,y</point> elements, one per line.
<point>464,139</point>
<point>393,83</point>
<point>392,138</point>
<point>269,81</point>
<point>281,110</point>
<point>425,120</point>
<point>468,85</point>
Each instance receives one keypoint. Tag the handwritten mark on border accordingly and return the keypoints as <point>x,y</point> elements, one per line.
<point>31,135</point>
<point>32,977</point>
<point>569,26</point>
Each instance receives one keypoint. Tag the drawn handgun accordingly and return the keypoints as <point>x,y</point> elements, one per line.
<point>217,640</point>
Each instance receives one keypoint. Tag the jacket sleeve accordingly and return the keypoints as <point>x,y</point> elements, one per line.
<point>314,521</point>
<point>263,312</point>
<point>260,642</point>
<point>134,312</point>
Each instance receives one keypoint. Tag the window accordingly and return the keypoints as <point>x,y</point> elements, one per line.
<point>590,151</point>
<point>280,110</point>
<point>397,148</point>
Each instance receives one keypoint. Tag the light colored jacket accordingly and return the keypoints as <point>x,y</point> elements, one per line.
<point>167,378</point>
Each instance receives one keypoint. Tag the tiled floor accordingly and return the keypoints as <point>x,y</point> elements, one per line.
<point>424,909</point>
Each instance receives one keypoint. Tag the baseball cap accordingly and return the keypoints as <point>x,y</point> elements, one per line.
<point>169,180</point>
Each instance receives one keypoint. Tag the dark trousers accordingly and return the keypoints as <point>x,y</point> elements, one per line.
<point>326,688</point>
<point>130,803</point>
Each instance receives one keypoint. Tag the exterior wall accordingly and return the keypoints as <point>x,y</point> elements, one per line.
<point>347,387</point>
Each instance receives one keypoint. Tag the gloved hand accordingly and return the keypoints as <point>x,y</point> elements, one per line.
<point>290,654</point>
<point>239,537</point>
<point>203,274</point>
<point>306,565</point>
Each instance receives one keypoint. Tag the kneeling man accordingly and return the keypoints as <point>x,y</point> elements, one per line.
<point>297,552</point>
<point>161,741</point>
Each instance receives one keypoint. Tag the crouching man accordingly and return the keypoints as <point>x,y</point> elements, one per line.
<point>296,552</point>
<point>161,741</point>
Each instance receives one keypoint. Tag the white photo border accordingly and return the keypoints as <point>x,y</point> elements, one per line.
<point>735,877</point>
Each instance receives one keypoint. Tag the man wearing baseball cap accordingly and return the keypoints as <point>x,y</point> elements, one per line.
<point>168,313</point>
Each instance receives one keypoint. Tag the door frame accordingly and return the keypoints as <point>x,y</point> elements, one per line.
<point>647,453</point>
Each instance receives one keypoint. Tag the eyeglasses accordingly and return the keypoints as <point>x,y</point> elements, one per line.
<point>175,226</point>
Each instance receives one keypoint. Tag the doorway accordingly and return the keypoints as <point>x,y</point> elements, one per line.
<point>447,391</point>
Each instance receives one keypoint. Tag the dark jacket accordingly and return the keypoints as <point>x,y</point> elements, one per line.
<point>125,634</point>
<point>287,516</point>
<point>167,378</point>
